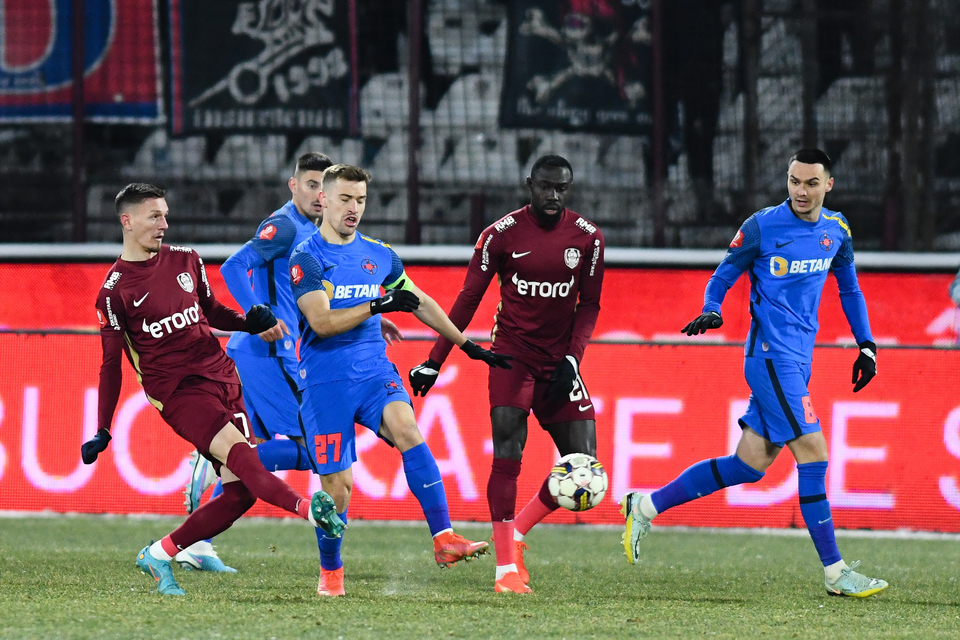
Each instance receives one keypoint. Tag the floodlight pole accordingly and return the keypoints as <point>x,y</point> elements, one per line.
<point>415,37</point>
<point>78,174</point>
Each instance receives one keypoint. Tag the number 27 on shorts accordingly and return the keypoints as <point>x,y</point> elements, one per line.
<point>322,443</point>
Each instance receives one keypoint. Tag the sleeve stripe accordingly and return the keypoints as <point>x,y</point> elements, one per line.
<point>840,222</point>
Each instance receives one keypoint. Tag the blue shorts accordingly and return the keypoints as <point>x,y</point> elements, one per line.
<point>269,393</point>
<point>329,411</point>
<point>780,409</point>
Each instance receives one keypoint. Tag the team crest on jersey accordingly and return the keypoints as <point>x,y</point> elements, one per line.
<point>296,274</point>
<point>369,266</point>
<point>737,241</point>
<point>185,282</point>
<point>268,232</point>
<point>826,242</point>
<point>392,387</point>
<point>571,257</point>
<point>101,319</point>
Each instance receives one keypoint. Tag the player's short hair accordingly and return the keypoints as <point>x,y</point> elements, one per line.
<point>551,161</point>
<point>812,156</point>
<point>312,161</point>
<point>135,193</point>
<point>346,172</point>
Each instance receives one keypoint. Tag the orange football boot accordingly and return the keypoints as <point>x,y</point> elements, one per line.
<point>511,583</point>
<point>450,548</point>
<point>331,582</point>
<point>519,546</point>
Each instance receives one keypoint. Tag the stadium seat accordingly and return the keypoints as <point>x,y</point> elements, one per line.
<point>472,100</point>
<point>166,158</point>
<point>466,33</point>
<point>250,157</point>
<point>346,151</point>
<point>384,103</point>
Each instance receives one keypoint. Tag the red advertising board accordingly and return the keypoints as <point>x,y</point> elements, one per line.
<point>894,447</point>
<point>637,304</point>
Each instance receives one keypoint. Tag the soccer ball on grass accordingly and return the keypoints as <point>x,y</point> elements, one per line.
<point>577,482</point>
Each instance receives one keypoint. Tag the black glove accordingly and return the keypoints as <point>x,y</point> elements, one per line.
<point>476,352</point>
<point>865,368</point>
<point>562,379</point>
<point>90,449</point>
<point>259,319</point>
<point>423,376</point>
<point>711,320</point>
<point>395,300</point>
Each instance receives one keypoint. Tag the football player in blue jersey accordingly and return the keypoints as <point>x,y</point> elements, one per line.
<point>258,274</point>
<point>345,376</point>
<point>787,250</point>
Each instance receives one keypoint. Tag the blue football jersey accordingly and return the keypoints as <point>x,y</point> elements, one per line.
<point>788,260</point>
<point>351,275</point>
<point>275,240</point>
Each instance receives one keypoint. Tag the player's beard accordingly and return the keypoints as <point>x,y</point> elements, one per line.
<point>545,219</point>
<point>152,245</point>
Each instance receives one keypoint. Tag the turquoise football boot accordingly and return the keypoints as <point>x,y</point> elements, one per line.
<point>201,556</point>
<point>202,476</point>
<point>160,571</point>
<point>323,514</point>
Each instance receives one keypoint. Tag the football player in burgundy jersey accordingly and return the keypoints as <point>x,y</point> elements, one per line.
<point>549,261</point>
<point>156,305</point>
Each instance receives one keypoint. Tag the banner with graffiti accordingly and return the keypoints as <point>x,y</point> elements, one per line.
<point>121,61</point>
<point>261,66</point>
<point>580,65</point>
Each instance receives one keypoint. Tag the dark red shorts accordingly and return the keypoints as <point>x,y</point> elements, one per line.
<point>199,409</point>
<point>525,387</point>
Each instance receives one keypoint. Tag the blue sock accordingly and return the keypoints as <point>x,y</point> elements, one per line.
<point>702,479</point>
<point>330,547</point>
<point>423,478</point>
<point>281,455</point>
<point>816,510</point>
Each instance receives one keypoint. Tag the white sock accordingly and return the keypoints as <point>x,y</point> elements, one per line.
<point>503,570</point>
<point>440,533</point>
<point>646,507</point>
<point>832,571</point>
<point>517,536</point>
<point>156,550</point>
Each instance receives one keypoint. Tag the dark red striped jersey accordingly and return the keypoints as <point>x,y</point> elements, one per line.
<point>550,282</point>
<point>159,312</point>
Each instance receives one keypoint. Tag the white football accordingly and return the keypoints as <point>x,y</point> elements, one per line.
<point>578,482</point>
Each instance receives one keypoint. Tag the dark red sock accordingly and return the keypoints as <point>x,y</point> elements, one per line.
<point>502,498</point>
<point>539,507</point>
<point>214,517</point>
<point>245,464</point>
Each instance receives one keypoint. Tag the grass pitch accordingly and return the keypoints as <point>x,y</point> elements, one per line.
<point>74,577</point>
